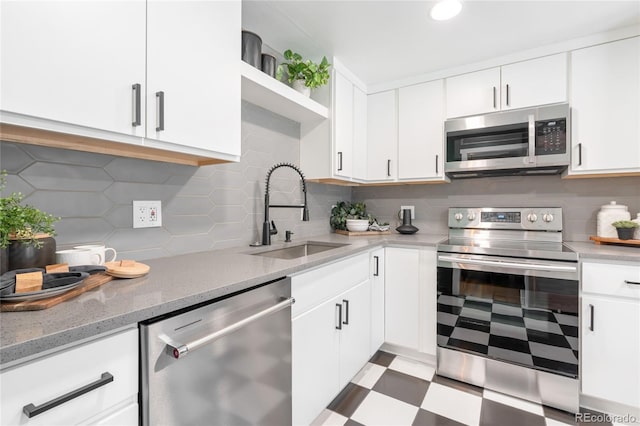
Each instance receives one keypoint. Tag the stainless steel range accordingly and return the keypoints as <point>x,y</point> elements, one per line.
<point>508,304</point>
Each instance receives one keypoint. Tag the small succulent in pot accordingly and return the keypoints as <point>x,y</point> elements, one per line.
<point>25,232</point>
<point>625,228</point>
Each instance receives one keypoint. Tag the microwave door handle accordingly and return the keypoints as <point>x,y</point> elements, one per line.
<point>532,139</point>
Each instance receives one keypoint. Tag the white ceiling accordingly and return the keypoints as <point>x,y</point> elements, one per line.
<point>382,41</point>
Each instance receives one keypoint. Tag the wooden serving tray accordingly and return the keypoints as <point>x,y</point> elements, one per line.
<point>604,240</point>
<point>357,233</point>
<point>90,283</point>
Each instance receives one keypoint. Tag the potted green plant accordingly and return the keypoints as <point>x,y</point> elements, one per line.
<point>350,216</point>
<point>625,229</point>
<point>26,233</point>
<point>304,75</point>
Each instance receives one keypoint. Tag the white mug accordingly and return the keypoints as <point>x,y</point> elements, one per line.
<point>77,257</point>
<point>101,251</point>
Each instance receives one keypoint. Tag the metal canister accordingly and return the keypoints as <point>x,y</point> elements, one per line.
<point>269,65</point>
<point>251,48</point>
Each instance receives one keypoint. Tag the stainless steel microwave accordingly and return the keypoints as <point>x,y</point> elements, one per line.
<point>532,141</point>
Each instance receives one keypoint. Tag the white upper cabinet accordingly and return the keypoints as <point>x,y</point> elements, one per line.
<point>192,62</point>
<point>524,84</point>
<point>359,152</point>
<point>473,93</point>
<point>382,136</point>
<point>535,82</point>
<point>420,131</point>
<point>336,150</point>
<point>162,74</point>
<point>343,125</point>
<point>75,62</point>
<point>605,108</point>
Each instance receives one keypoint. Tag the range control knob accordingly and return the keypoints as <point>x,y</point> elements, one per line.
<point>471,216</point>
<point>458,217</point>
<point>547,217</point>
<point>532,217</point>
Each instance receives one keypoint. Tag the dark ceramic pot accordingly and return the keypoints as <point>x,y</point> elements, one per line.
<point>4,261</point>
<point>625,233</point>
<point>22,256</point>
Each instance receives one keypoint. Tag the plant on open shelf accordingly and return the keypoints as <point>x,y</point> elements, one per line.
<point>304,75</point>
<point>25,232</point>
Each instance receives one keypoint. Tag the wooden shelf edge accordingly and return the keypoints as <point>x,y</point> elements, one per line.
<point>265,91</point>
<point>334,181</point>
<point>32,136</point>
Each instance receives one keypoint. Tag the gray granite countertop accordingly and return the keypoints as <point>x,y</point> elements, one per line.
<point>173,283</point>
<point>181,281</point>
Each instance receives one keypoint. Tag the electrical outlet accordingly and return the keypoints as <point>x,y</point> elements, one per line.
<point>147,214</point>
<point>413,211</point>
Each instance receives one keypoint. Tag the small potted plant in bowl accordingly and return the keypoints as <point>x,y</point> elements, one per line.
<point>625,229</point>
<point>350,216</point>
<point>304,75</point>
<point>26,234</point>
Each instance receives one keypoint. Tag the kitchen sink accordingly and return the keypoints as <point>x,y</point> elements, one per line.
<point>300,250</point>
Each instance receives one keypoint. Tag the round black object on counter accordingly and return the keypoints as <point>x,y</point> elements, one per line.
<point>251,49</point>
<point>406,227</point>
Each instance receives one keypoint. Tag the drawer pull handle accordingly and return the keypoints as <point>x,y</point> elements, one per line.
<point>346,312</point>
<point>632,282</point>
<point>159,111</point>
<point>591,317</point>
<point>31,410</point>
<point>136,89</point>
<point>377,272</point>
<point>339,326</point>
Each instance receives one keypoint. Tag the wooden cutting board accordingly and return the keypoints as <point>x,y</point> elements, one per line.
<point>36,305</point>
<point>368,233</point>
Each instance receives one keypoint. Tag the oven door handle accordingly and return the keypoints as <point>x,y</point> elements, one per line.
<point>178,350</point>
<point>515,265</point>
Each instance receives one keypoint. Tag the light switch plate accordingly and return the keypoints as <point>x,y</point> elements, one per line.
<point>147,214</point>
<point>413,211</point>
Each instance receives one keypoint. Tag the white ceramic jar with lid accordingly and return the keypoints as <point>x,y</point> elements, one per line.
<point>636,234</point>
<point>608,214</point>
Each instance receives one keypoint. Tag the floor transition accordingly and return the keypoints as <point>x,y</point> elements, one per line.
<point>393,390</point>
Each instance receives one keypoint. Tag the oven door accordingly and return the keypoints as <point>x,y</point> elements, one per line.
<point>517,310</point>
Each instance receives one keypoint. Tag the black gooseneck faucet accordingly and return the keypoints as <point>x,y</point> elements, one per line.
<point>269,229</point>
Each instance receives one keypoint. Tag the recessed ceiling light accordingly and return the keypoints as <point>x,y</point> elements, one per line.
<point>445,9</point>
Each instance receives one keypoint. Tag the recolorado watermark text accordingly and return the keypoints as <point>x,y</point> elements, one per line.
<point>605,418</point>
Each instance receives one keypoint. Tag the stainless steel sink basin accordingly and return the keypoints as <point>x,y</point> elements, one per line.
<point>300,250</point>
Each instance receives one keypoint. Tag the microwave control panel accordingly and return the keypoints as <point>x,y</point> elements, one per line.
<point>551,136</point>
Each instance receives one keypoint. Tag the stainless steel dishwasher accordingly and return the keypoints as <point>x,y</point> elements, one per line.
<point>225,363</point>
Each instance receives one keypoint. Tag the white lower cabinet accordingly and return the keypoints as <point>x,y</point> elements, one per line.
<point>330,333</point>
<point>377,299</point>
<point>110,363</point>
<point>410,295</point>
<point>611,334</point>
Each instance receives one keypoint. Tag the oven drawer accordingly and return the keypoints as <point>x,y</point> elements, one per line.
<point>611,279</point>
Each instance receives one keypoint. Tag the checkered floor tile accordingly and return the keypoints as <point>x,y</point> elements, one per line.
<point>393,390</point>
<point>531,337</point>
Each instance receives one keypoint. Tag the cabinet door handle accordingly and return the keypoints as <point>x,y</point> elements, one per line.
<point>495,103</point>
<point>580,154</point>
<point>591,314</point>
<point>377,271</point>
<point>159,111</point>
<point>508,97</point>
<point>31,410</point>
<point>136,92</point>
<point>389,168</point>
<point>339,161</point>
<point>339,326</point>
<point>436,164</point>
<point>632,282</point>
<point>346,312</point>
